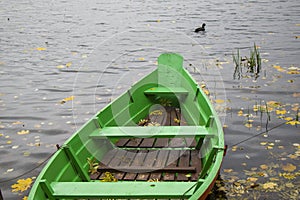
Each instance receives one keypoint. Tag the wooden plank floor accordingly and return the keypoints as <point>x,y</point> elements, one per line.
<point>161,164</point>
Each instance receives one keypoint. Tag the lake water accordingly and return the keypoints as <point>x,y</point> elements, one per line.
<point>51,51</point>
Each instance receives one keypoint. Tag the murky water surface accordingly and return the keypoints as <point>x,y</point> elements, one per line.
<point>93,50</point>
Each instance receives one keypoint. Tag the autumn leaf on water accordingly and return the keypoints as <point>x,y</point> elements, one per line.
<point>219,101</point>
<point>293,122</point>
<point>289,167</point>
<point>269,185</point>
<point>70,98</point>
<point>41,49</point>
<point>279,68</point>
<point>263,167</point>
<point>68,64</point>
<point>23,132</point>
<point>280,112</point>
<point>21,185</point>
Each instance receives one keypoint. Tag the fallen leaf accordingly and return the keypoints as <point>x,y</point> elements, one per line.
<point>60,66</point>
<point>264,167</point>
<point>280,112</point>
<point>289,167</point>
<point>263,143</point>
<point>70,98</point>
<point>228,170</point>
<point>248,125</point>
<point>17,122</point>
<point>21,185</point>
<point>10,170</point>
<point>269,185</point>
<point>219,101</point>
<point>289,185</point>
<point>240,113</point>
<point>41,48</point>
<point>23,132</point>
<point>293,123</point>
<point>252,179</point>
<point>69,64</point>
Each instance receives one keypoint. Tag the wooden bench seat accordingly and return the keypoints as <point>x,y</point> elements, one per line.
<point>151,132</point>
<point>166,90</point>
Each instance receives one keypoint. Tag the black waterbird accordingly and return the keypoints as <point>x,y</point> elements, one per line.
<point>200,28</point>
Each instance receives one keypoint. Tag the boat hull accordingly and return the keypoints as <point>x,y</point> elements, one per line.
<point>160,139</point>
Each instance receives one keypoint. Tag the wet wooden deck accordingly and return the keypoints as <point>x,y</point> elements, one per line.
<point>153,159</point>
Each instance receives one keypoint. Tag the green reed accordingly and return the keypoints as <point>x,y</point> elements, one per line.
<point>251,63</point>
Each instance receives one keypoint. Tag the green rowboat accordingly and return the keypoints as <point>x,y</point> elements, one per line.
<point>161,139</point>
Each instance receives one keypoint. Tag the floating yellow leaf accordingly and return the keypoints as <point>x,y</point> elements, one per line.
<point>240,113</point>
<point>280,112</point>
<point>263,143</point>
<point>248,125</point>
<point>264,167</point>
<point>289,167</point>
<point>288,118</point>
<point>23,132</point>
<point>206,91</point>
<point>60,66</point>
<point>17,122</point>
<point>293,123</point>
<point>69,64</point>
<point>25,198</point>
<point>228,170</point>
<point>141,59</point>
<point>287,175</point>
<point>41,48</point>
<point>269,185</point>
<point>293,72</point>
<point>274,103</point>
<point>21,185</point>
<point>252,179</point>
<point>219,101</point>
<point>70,98</point>
<point>234,148</point>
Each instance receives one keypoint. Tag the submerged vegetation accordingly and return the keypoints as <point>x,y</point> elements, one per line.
<point>252,64</point>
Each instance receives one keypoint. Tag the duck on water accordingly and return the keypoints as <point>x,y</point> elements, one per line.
<point>200,28</point>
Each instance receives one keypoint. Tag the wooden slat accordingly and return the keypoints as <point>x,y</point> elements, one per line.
<point>116,160</point>
<point>160,163</point>
<point>195,161</point>
<point>147,143</point>
<point>106,160</point>
<point>137,162</point>
<point>161,142</point>
<point>148,163</point>
<point>134,142</point>
<point>173,157</point>
<point>122,142</point>
<point>184,161</point>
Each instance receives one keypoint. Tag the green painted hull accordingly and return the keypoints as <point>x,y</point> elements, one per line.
<point>66,175</point>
